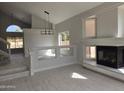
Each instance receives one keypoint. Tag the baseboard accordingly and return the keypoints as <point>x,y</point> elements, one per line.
<point>48,68</point>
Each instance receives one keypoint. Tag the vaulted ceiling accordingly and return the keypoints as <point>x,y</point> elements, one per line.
<point>59,11</point>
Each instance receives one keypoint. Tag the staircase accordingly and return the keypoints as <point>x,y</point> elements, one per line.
<point>12,73</point>
<point>9,68</point>
<point>4,58</point>
<point>4,53</point>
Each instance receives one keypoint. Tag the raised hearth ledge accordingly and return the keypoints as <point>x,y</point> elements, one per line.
<point>93,63</point>
<point>101,70</point>
<point>104,41</point>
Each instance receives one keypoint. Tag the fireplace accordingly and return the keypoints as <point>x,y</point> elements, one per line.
<point>111,56</point>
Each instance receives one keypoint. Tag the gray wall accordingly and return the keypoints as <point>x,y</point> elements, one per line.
<point>39,23</point>
<point>5,21</point>
<point>106,18</point>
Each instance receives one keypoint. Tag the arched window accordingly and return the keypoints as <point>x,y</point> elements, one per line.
<point>15,42</point>
<point>13,28</point>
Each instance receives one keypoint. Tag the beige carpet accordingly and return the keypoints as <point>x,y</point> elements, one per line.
<point>69,78</point>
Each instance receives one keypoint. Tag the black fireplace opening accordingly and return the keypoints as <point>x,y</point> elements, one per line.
<point>111,56</point>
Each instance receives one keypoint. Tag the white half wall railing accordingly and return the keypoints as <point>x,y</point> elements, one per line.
<point>43,58</point>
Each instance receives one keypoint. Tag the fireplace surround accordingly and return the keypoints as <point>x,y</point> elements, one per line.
<point>111,56</point>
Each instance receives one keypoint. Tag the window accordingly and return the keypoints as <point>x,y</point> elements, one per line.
<point>15,42</point>
<point>66,52</point>
<point>13,28</point>
<point>64,38</point>
<point>47,32</point>
<point>90,31</point>
<point>90,27</point>
<point>46,53</point>
<point>90,52</point>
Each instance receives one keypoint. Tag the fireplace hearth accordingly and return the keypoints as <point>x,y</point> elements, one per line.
<point>111,56</point>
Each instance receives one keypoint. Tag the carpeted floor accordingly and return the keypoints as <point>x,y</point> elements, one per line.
<point>68,78</point>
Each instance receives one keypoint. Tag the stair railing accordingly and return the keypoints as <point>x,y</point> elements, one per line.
<point>7,43</point>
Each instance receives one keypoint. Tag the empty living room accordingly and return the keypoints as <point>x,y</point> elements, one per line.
<point>61,45</point>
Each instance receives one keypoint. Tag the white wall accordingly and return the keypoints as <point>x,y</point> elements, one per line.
<point>33,39</point>
<point>107,23</point>
<point>120,21</point>
<point>74,26</point>
<point>54,63</point>
<point>106,18</point>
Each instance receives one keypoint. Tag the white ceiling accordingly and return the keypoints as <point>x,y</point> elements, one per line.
<point>59,11</point>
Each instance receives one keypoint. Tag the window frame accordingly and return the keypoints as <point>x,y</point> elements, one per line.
<point>89,49</point>
<point>13,27</point>
<point>59,41</point>
<point>15,41</point>
<point>91,18</point>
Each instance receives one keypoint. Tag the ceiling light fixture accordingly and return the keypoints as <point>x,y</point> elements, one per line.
<point>47,21</point>
<point>48,26</point>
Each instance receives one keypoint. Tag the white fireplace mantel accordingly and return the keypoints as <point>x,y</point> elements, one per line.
<point>104,41</point>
